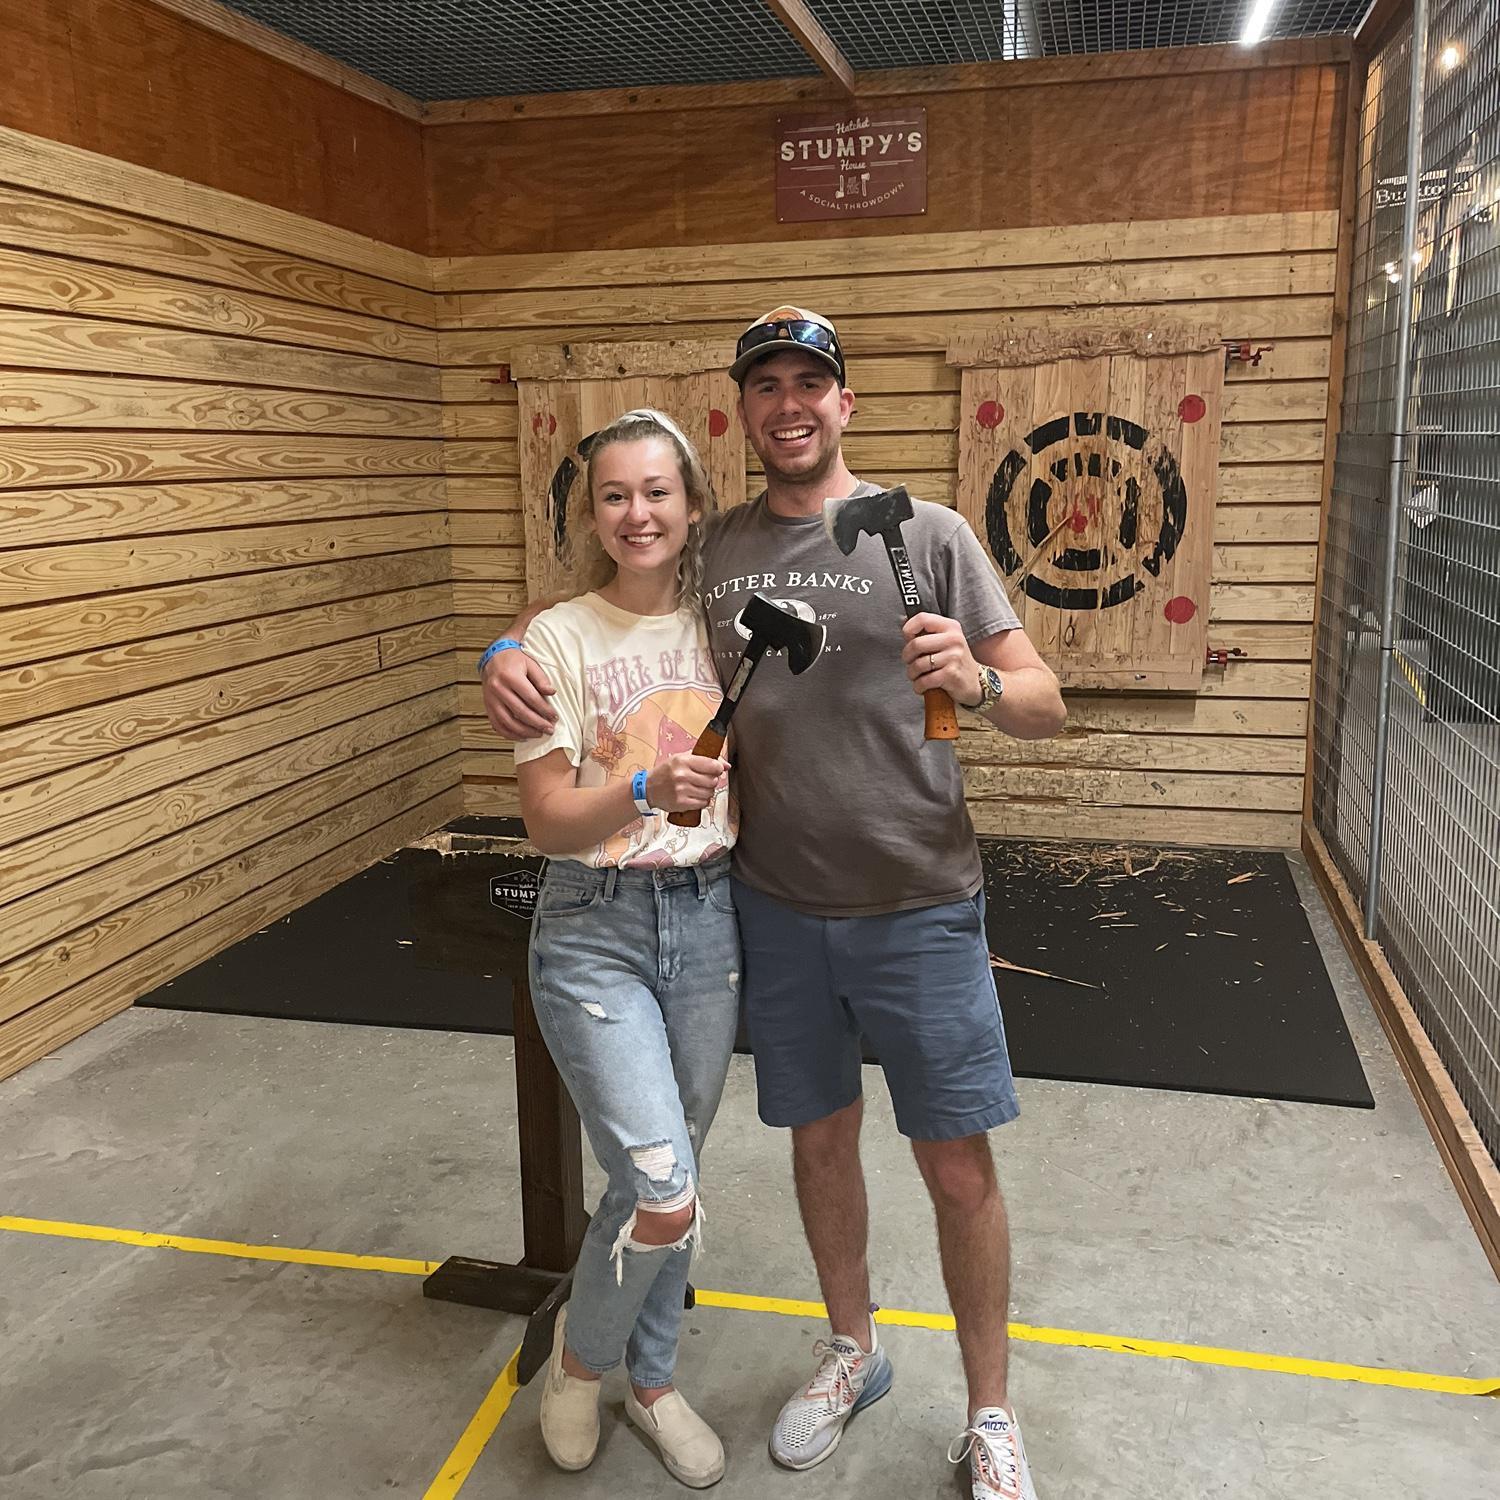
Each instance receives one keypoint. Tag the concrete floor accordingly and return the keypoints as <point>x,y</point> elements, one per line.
<point>132,1372</point>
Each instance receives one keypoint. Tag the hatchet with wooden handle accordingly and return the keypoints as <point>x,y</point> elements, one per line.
<point>769,626</point>
<point>881,515</point>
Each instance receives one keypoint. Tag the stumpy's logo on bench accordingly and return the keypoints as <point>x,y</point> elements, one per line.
<point>852,166</point>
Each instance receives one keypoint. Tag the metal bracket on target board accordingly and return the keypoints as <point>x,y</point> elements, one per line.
<point>1243,352</point>
<point>1218,656</point>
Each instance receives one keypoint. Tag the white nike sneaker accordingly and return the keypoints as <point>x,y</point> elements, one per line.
<point>847,1380</point>
<point>997,1457</point>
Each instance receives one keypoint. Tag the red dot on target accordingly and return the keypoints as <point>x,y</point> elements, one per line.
<point>718,423</point>
<point>1179,610</point>
<point>536,422</point>
<point>551,424</point>
<point>1191,408</point>
<point>990,414</point>
<point>1079,522</point>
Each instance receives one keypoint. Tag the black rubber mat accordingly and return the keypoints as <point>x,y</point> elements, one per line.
<point>415,940</point>
<point>1172,969</point>
<point>1165,968</point>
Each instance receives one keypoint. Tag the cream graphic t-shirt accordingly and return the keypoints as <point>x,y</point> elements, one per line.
<point>631,690</point>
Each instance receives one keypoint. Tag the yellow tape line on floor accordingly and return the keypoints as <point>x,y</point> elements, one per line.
<point>1203,1354</point>
<point>335,1258</point>
<point>480,1430</point>
<point>1317,1369</point>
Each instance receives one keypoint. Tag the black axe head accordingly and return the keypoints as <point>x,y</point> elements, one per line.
<point>848,519</point>
<point>770,625</point>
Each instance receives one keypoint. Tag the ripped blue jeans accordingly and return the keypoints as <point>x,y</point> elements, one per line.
<point>635,983</point>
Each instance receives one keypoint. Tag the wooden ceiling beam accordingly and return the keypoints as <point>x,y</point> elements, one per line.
<point>814,41</point>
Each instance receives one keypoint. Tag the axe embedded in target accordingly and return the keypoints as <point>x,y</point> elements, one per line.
<point>768,626</point>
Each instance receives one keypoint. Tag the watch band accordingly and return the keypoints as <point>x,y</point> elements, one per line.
<point>991,690</point>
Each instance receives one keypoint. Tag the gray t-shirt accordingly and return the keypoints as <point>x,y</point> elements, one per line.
<point>845,809</point>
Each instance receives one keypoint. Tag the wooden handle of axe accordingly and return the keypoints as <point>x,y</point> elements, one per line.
<point>942,717</point>
<point>710,742</point>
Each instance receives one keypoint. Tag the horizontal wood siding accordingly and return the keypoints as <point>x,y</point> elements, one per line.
<point>226,634</point>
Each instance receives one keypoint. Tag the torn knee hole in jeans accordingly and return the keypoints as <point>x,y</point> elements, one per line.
<point>593,1008</point>
<point>626,1239</point>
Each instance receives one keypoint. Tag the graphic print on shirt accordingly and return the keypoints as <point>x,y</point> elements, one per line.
<point>643,711</point>
<point>812,595</point>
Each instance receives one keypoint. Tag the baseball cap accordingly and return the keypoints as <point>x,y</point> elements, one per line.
<point>788,328</point>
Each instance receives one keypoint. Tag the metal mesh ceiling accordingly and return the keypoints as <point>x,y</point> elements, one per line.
<point>459,49</point>
<point>1130,25</point>
<point>915,33</point>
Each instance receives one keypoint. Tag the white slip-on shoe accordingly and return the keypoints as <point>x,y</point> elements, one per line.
<point>570,1409</point>
<point>689,1447</point>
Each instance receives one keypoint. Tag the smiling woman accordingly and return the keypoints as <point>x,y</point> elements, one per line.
<point>634,951</point>
<point>641,542</point>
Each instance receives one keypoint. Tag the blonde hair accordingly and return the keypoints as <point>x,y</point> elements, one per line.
<point>590,565</point>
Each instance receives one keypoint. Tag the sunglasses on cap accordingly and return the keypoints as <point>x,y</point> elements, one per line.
<point>794,330</point>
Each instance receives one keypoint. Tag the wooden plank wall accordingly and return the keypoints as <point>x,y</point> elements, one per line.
<point>1200,185</point>
<point>225,605</point>
<point>1223,765</point>
<point>1162,134</point>
<point>163,86</point>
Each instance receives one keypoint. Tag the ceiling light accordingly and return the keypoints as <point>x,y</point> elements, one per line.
<point>1450,57</point>
<point>1256,22</point>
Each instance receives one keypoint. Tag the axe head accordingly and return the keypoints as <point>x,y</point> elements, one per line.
<point>848,519</point>
<point>770,625</point>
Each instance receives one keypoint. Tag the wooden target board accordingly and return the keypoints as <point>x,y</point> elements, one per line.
<point>569,392</point>
<point>1089,466</point>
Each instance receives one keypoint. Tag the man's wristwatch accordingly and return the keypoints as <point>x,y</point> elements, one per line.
<point>991,690</point>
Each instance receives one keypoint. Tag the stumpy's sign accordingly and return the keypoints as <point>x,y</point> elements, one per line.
<point>859,166</point>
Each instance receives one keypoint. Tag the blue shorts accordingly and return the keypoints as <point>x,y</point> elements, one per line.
<point>916,984</point>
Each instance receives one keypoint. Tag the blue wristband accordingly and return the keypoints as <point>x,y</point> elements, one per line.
<point>638,792</point>
<point>503,645</point>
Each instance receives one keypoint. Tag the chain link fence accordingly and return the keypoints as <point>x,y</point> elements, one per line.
<point>1437,897</point>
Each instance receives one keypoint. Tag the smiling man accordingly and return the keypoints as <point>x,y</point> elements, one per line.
<point>857,878</point>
